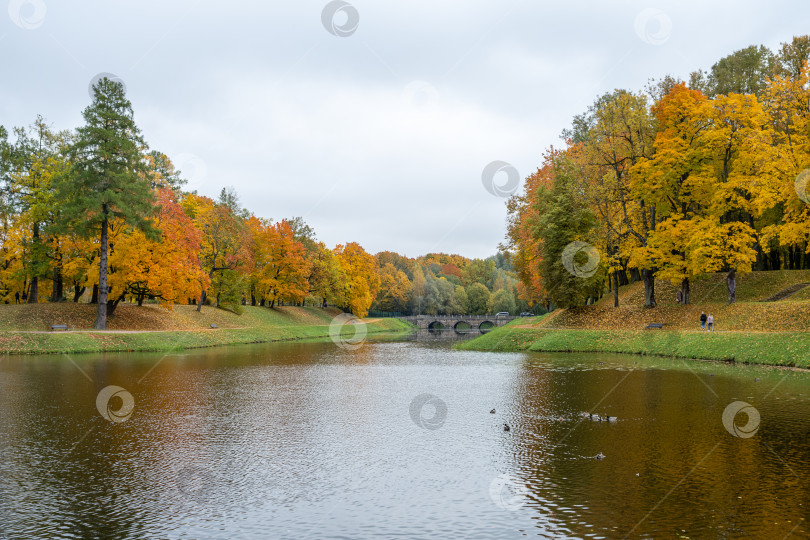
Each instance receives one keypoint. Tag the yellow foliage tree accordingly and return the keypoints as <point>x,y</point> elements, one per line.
<point>362,278</point>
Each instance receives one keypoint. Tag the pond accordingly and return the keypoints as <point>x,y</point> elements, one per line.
<point>396,440</point>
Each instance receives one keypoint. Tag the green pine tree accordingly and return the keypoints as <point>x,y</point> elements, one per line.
<point>107,180</point>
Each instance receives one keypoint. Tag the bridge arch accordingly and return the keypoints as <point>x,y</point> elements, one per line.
<point>486,325</point>
<point>476,322</point>
<point>463,326</point>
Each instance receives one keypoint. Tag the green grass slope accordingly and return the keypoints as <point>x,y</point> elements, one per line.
<point>778,349</point>
<point>23,328</point>
<point>748,331</point>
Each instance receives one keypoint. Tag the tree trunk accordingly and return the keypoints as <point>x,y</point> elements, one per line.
<point>649,288</point>
<point>203,296</point>
<point>615,289</point>
<point>58,290</point>
<point>685,291</point>
<point>112,304</point>
<point>78,291</point>
<point>33,292</point>
<point>140,299</point>
<point>94,296</point>
<point>731,282</point>
<point>101,317</point>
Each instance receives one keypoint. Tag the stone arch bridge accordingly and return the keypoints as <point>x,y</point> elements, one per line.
<point>426,322</point>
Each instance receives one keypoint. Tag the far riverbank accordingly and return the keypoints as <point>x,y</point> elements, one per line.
<point>787,349</point>
<point>24,329</point>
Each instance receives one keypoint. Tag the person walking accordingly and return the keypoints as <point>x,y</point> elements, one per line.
<point>710,321</point>
<point>17,297</point>
<point>703,320</point>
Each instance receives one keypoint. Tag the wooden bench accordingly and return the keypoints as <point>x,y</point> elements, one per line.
<point>59,327</point>
<point>654,325</point>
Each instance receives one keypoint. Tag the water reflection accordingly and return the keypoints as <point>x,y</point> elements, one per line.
<point>309,440</point>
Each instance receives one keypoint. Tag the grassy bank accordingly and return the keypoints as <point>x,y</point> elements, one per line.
<point>771,348</point>
<point>751,330</point>
<point>23,329</point>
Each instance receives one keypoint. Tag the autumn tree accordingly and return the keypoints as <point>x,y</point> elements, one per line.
<point>787,103</point>
<point>327,278</point>
<point>667,181</point>
<point>400,262</point>
<point>395,289</point>
<point>565,219</point>
<point>161,172</point>
<point>362,278</point>
<point>37,160</point>
<point>166,268</point>
<point>791,59</point>
<point>615,134</point>
<point>225,253</point>
<point>522,216</point>
<point>283,265</point>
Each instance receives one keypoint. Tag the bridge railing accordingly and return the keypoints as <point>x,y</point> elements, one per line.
<point>437,317</point>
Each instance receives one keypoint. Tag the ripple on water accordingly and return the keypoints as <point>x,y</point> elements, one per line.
<point>306,440</point>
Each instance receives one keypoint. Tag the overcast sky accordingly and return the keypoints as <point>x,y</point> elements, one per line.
<point>374,124</point>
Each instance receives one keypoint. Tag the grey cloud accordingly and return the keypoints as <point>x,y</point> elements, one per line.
<point>302,122</point>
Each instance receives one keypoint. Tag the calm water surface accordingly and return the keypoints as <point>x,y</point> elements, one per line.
<point>396,440</point>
